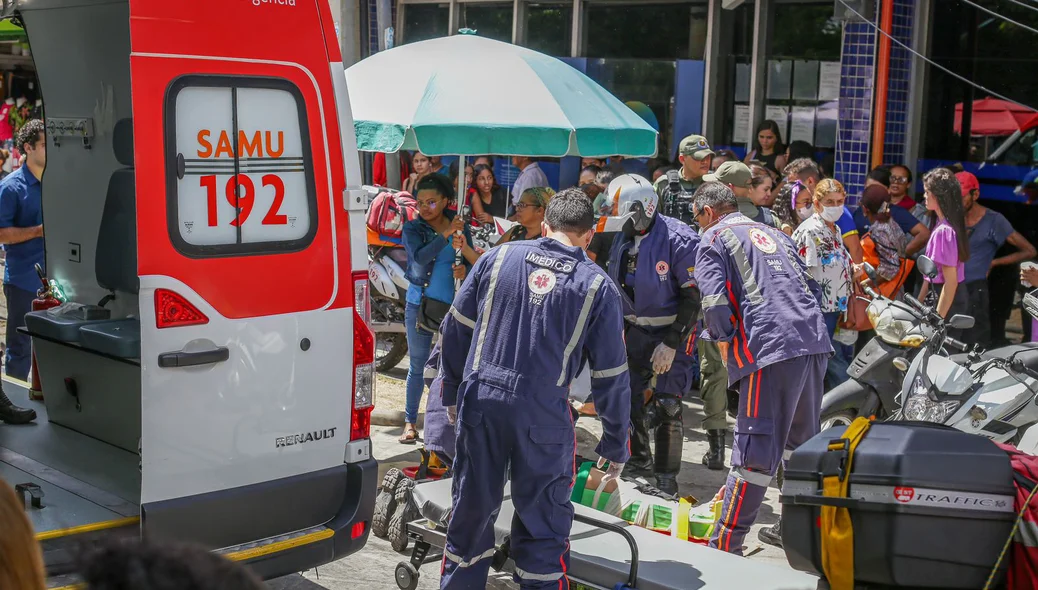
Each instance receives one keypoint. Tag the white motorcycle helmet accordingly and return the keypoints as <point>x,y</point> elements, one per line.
<point>634,199</point>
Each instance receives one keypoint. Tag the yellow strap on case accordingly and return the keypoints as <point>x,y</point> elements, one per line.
<point>837,529</point>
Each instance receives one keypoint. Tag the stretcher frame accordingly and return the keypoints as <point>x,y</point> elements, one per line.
<point>427,536</point>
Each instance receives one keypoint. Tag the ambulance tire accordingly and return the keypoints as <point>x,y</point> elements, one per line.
<point>385,504</point>
<point>406,512</point>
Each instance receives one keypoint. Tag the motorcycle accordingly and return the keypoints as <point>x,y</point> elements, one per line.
<point>877,371</point>
<point>993,397</point>
<point>904,329</point>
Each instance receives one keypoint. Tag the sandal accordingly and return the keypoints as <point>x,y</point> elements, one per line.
<point>410,435</point>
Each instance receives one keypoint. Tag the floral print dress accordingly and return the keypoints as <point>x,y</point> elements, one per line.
<point>827,260</point>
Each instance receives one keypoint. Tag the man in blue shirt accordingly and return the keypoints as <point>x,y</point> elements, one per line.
<point>21,233</point>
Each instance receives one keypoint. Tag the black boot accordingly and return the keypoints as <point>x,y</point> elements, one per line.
<point>640,463</point>
<point>714,458</point>
<point>771,535</point>
<point>669,443</point>
<point>12,414</point>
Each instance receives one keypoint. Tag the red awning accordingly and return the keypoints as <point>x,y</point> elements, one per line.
<point>992,116</point>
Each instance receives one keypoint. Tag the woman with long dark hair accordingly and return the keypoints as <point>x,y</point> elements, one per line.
<point>489,199</point>
<point>767,146</point>
<point>949,245</point>
<point>430,242</point>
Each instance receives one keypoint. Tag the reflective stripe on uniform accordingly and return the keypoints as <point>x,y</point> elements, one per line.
<point>715,301</point>
<point>461,318</point>
<point>469,562</point>
<point>491,287</point>
<point>752,477</point>
<point>652,322</point>
<point>578,330</point>
<point>531,577</point>
<point>749,283</point>
<point>609,372</point>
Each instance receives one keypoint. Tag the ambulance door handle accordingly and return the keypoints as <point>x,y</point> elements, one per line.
<point>168,360</point>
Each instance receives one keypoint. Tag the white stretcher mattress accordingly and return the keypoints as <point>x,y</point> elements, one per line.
<point>603,558</point>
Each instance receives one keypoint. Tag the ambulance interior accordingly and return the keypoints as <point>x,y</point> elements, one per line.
<point>82,453</point>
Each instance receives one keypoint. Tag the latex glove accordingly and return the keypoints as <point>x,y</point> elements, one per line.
<point>662,358</point>
<point>452,414</point>
<point>614,470</point>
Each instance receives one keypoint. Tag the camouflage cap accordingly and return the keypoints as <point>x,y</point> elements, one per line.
<point>731,172</point>
<point>696,146</point>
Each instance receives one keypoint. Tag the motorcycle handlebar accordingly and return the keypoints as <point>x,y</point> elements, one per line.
<point>962,346</point>
<point>1019,367</point>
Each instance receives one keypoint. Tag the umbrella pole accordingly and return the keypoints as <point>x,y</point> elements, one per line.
<point>463,210</point>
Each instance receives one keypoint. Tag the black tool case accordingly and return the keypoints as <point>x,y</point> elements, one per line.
<point>931,506</point>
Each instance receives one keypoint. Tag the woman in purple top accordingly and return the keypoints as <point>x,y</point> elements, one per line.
<point>948,246</point>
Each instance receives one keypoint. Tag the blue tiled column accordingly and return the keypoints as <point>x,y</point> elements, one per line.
<point>854,135</point>
<point>857,85</point>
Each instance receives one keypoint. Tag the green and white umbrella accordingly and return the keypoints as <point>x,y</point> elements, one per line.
<point>468,95</point>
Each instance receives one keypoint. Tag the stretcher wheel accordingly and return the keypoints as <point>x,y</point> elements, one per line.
<point>405,512</point>
<point>406,576</point>
<point>385,504</point>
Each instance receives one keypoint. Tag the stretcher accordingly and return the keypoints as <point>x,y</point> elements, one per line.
<point>605,552</point>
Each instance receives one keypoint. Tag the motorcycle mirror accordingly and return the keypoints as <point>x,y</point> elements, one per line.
<point>926,266</point>
<point>871,272</point>
<point>961,322</point>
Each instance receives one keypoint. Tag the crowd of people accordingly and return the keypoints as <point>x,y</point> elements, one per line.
<point>745,270</point>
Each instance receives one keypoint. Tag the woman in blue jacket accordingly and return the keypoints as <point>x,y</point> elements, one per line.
<point>431,271</point>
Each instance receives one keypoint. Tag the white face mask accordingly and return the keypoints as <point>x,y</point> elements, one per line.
<point>805,212</point>
<point>832,214</point>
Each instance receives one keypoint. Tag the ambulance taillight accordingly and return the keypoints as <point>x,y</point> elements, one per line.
<point>172,310</point>
<point>363,359</point>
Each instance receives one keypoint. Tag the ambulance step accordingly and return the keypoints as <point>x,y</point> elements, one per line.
<point>265,547</point>
<point>61,546</point>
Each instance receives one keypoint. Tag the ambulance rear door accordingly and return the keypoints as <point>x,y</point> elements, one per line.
<point>246,297</point>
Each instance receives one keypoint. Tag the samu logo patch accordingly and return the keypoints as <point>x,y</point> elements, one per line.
<point>540,283</point>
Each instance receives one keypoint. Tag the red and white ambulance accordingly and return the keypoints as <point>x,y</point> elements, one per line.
<point>209,375</point>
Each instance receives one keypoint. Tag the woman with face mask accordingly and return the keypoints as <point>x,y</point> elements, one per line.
<point>820,245</point>
<point>793,205</point>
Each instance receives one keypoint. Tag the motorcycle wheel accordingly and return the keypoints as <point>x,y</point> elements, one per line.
<point>390,349</point>
<point>839,418</point>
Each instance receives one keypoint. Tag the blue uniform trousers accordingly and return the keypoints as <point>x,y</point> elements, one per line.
<point>527,434</point>
<point>778,411</point>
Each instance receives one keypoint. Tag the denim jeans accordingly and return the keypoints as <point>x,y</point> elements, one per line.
<point>836,369</point>
<point>419,343</point>
<point>18,357</point>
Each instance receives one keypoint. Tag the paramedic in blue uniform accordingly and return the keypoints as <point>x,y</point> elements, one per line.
<point>762,308</point>
<point>651,262</point>
<point>525,319</point>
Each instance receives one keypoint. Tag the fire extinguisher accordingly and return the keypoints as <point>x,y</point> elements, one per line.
<point>45,299</point>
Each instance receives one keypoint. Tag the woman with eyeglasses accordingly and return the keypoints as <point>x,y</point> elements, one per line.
<point>430,242</point>
<point>529,212</point>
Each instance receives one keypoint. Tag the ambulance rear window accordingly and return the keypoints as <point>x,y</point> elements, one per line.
<point>240,167</point>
